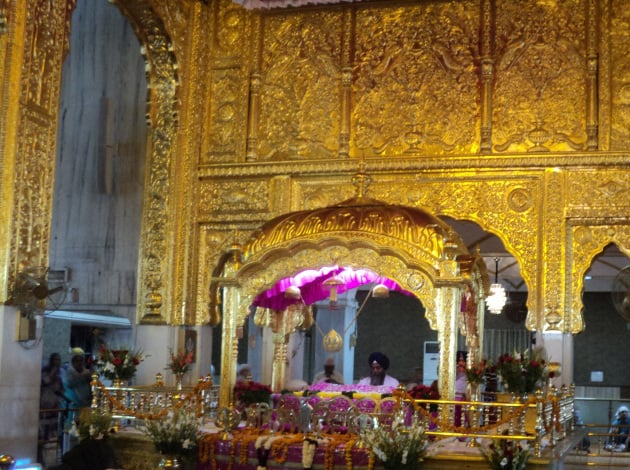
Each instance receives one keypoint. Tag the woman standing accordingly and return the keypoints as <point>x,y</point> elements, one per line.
<point>50,396</point>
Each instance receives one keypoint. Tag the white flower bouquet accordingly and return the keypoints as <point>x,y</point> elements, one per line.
<point>398,447</point>
<point>176,434</point>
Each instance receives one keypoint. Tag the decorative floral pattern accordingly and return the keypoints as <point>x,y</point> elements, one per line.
<point>118,364</point>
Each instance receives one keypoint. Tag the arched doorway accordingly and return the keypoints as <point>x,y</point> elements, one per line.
<point>413,248</point>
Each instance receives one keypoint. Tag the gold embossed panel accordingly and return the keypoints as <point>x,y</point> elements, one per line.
<point>619,40</point>
<point>415,81</point>
<point>540,90</point>
<point>300,89</point>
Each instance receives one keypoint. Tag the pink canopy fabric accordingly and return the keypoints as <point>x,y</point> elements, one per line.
<point>311,284</point>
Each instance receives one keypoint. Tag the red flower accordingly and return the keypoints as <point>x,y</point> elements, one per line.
<point>180,362</point>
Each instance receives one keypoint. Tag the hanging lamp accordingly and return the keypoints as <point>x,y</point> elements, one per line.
<point>497,298</point>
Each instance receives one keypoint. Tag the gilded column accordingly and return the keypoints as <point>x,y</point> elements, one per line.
<point>254,103</point>
<point>447,308</point>
<point>346,82</point>
<point>162,115</point>
<point>552,301</point>
<point>33,44</point>
<point>192,94</point>
<point>487,73</point>
<point>346,94</point>
<point>279,360</point>
<point>229,336</point>
<point>251,152</point>
<point>592,68</point>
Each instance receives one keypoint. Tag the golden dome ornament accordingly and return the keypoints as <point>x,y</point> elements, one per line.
<point>333,342</point>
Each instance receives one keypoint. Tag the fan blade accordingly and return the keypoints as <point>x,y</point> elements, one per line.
<point>40,291</point>
<point>55,290</point>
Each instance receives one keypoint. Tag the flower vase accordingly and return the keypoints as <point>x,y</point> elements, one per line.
<point>179,377</point>
<point>170,462</point>
<point>474,391</point>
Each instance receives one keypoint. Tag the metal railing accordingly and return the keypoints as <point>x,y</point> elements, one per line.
<point>126,404</point>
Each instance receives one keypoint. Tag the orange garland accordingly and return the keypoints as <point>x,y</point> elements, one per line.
<point>348,453</point>
<point>371,460</point>
<point>115,404</point>
<point>280,446</point>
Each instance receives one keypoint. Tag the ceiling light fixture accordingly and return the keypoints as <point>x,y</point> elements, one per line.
<point>497,298</point>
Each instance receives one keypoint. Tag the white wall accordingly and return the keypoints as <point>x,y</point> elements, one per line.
<point>19,390</point>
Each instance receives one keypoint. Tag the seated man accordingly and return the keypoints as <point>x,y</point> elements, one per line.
<point>620,430</point>
<point>328,375</point>
<point>379,363</point>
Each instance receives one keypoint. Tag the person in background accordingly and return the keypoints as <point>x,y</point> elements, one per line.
<point>620,431</point>
<point>585,443</point>
<point>51,393</point>
<point>460,385</point>
<point>328,375</point>
<point>78,391</point>
<point>77,381</point>
<point>296,385</point>
<point>379,363</point>
<point>243,373</point>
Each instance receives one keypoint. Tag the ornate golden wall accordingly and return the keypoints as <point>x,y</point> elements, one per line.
<point>514,115</point>
<point>504,113</point>
<point>33,43</point>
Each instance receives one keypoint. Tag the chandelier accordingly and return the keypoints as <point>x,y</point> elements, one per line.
<point>497,298</point>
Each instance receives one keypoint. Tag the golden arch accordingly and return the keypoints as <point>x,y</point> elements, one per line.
<point>408,245</point>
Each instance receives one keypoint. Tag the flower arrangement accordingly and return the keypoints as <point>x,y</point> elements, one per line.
<point>398,447</point>
<point>180,361</point>
<point>248,392</point>
<point>425,392</point>
<point>176,434</point>
<point>118,364</point>
<point>476,373</point>
<point>505,454</point>
<point>91,426</point>
<point>522,372</point>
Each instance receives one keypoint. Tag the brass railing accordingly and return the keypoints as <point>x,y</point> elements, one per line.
<point>547,415</point>
<point>154,401</point>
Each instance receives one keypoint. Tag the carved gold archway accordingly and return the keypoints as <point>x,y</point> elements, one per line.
<point>415,249</point>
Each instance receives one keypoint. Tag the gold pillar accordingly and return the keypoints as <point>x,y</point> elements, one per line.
<point>448,310</point>
<point>229,336</point>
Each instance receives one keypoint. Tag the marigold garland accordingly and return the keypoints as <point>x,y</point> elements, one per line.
<point>193,398</point>
<point>371,459</point>
<point>348,453</point>
<point>280,446</point>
